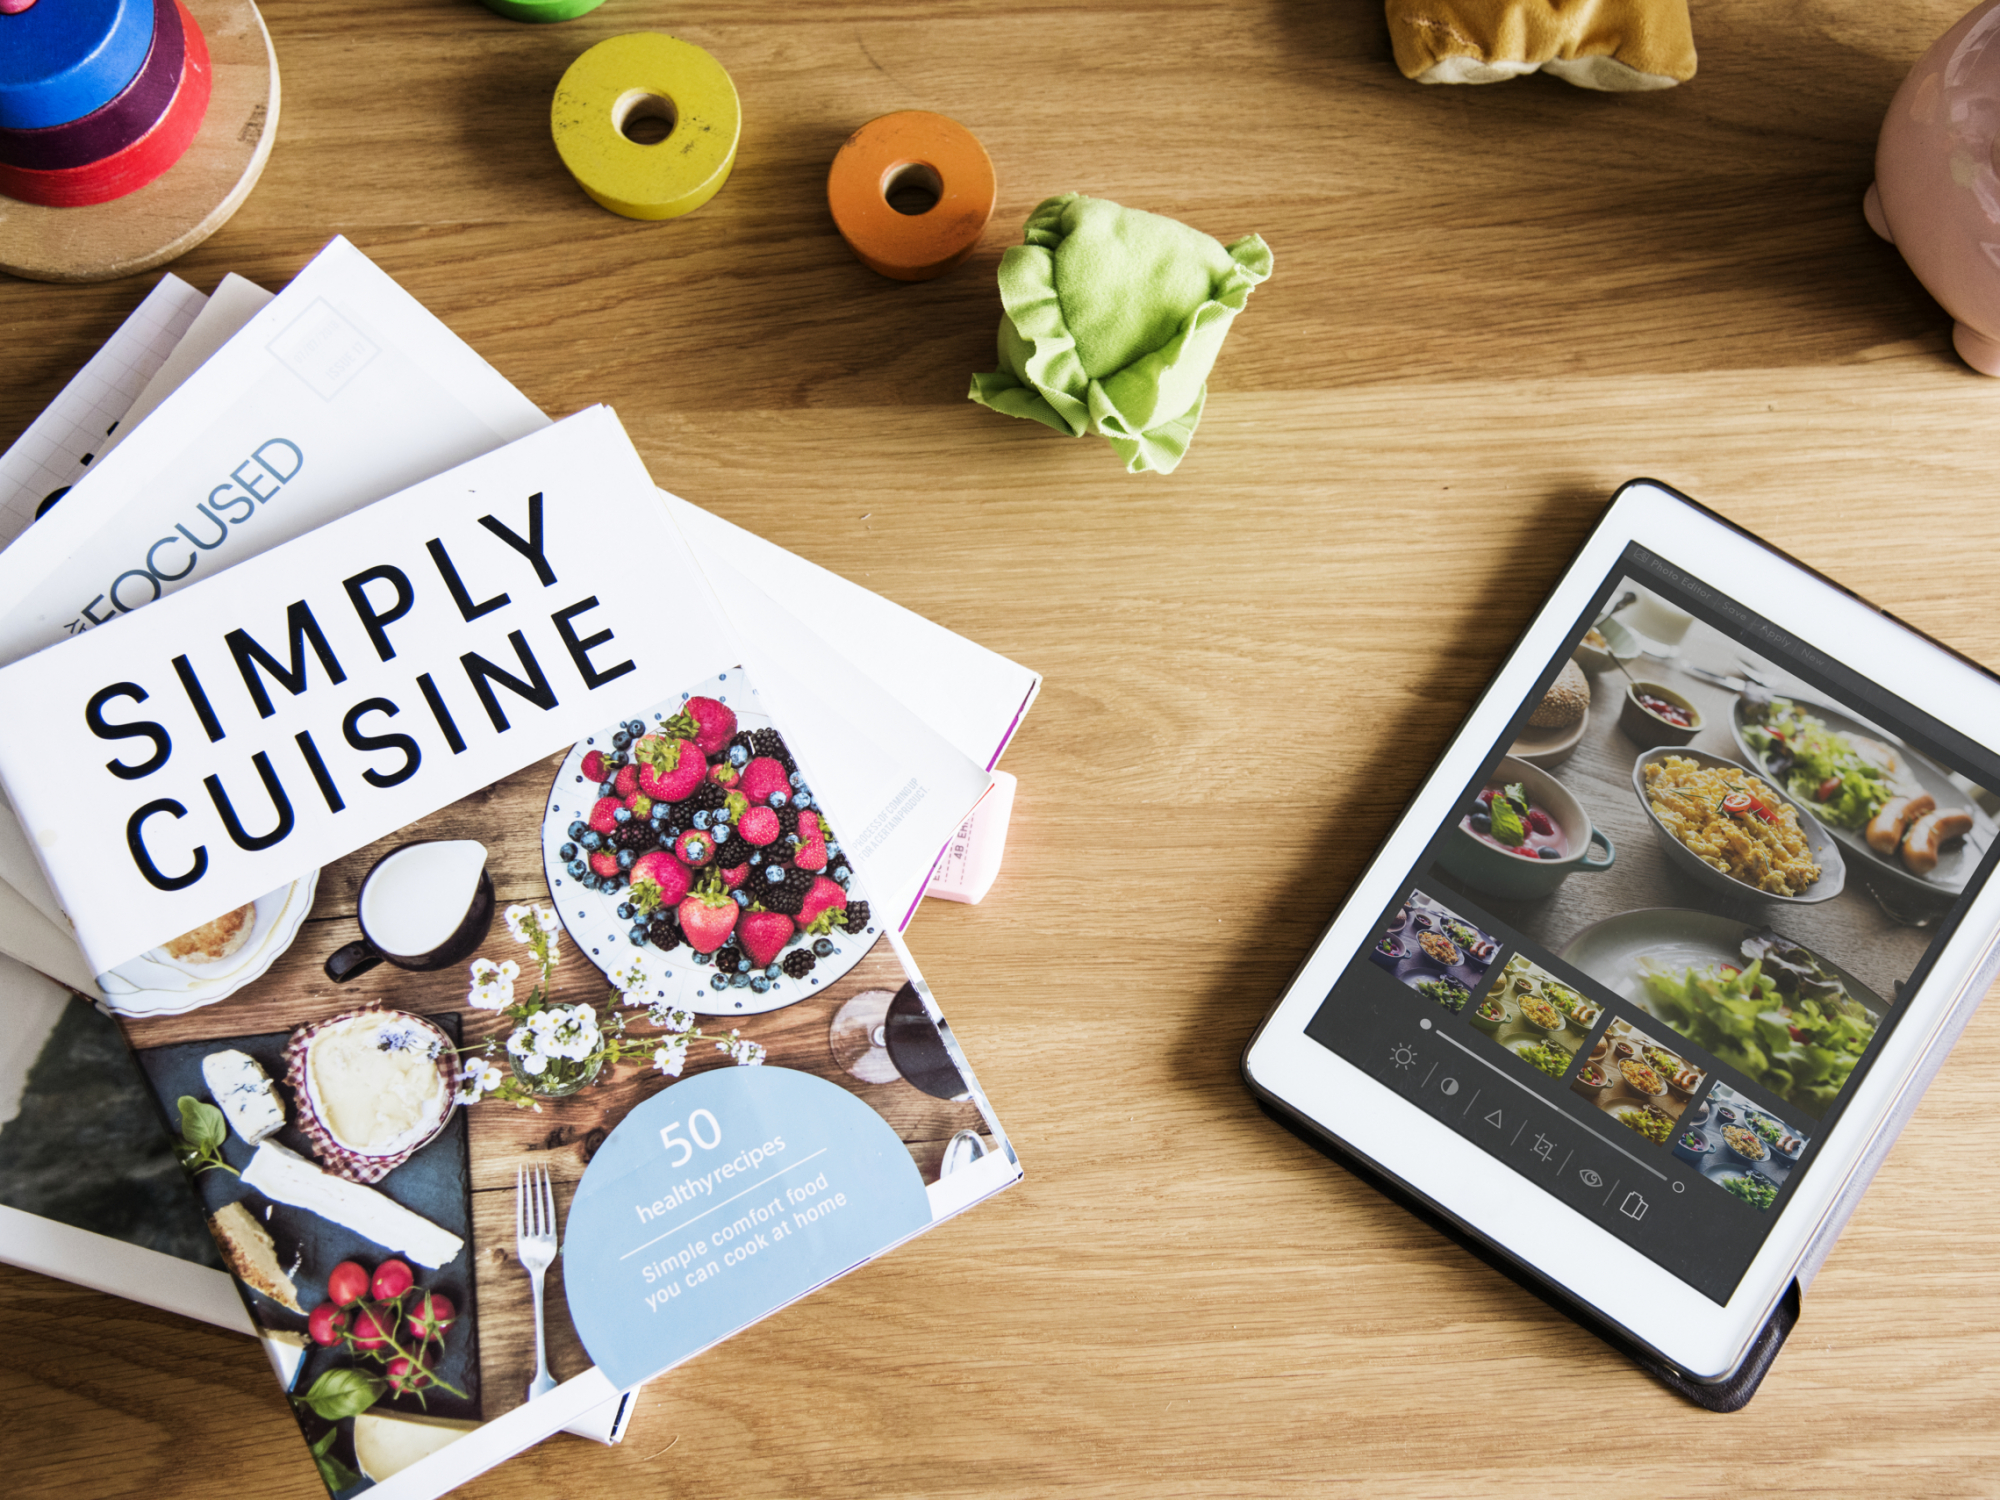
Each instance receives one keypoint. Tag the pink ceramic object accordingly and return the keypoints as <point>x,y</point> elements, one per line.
<point>1936,193</point>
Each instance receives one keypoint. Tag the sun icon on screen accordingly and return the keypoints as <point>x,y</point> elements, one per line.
<point>1403,1055</point>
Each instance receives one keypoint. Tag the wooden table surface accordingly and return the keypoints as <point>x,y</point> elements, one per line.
<point>1490,306</point>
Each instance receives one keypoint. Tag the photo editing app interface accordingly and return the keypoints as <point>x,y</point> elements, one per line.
<point>1669,927</point>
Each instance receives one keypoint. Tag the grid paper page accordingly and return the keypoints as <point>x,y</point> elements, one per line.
<point>52,453</point>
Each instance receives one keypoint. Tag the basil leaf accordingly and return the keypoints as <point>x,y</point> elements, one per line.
<point>334,1474</point>
<point>343,1393</point>
<point>202,1125</point>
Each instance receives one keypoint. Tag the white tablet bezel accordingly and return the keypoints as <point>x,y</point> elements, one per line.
<point>1477,1191</point>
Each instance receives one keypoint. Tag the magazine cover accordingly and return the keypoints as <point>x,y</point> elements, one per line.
<point>523,1017</point>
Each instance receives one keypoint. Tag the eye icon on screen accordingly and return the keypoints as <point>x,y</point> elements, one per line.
<point>1590,1178</point>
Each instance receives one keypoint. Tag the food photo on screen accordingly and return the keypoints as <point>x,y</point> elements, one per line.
<point>1535,1016</point>
<point>1639,1081</point>
<point>1436,952</point>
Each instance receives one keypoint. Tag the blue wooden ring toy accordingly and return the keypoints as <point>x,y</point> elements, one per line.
<point>61,62</point>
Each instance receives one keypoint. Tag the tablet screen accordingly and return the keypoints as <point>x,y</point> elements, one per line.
<point>1667,929</point>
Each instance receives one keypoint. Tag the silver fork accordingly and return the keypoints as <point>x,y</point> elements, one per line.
<point>535,1245</point>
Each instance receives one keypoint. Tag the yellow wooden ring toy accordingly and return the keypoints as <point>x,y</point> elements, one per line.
<point>647,125</point>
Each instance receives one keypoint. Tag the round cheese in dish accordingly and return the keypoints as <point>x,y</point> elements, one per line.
<point>375,1082</point>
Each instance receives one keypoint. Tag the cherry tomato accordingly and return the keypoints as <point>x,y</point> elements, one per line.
<point>392,1279</point>
<point>347,1283</point>
<point>326,1323</point>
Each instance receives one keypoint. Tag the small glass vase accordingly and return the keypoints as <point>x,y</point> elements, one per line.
<point>559,1079</point>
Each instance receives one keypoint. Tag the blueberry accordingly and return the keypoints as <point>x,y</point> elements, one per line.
<point>794,778</point>
<point>577,869</point>
<point>823,947</point>
<point>739,980</point>
<point>566,853</point>
<point>774,873</point>
<point>635,727</point>
<point>1482,822</point>
<point>1546,853</point>
<point>621,739</point>
<point>779,799</point>
<point>738,756</point>
<point>760,984</point>
<point>720,829</point>
<point>638,937</point>
<point>803,800</point>
<point>625,858</point>
<point>591,839</point>
<point>703,958</point>
<point>842,874</point>
<point>772,971</point>
<point>607,788</point>
<point>741,898</point>
<point>621,814</point>
<point>578,829</point>
<point>833,846</point>
<point>701,818</point>
<point>627,911</point>
<point>720,981</point>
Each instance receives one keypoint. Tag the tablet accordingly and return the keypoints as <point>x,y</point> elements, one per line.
<point>1644,981</point>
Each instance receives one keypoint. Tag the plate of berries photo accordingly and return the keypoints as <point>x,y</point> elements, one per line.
<point>689,860</point>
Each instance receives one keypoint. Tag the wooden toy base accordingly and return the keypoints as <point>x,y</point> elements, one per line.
<point>179,209</point>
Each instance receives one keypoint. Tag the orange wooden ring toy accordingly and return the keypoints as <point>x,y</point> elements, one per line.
<point>911,149</point>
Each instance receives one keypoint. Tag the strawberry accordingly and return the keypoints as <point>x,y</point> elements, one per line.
<point>810,827</point>
<point>604,863</point>
<point>694,848</point>
<point>706,921</point>
<point>761,778</point>
<point>810,856</point>
<point>759,825</point>
<point>658,880</point>
<point>603,815</point>
<point>627,780</point>
<point>640,805</point>
<point>593,766</point>
<point>723,774</point>
<point>734,876</point>
<point>706,721</point>
<point>668,769</point>
<point>823,896</point>
<point>763,935</point>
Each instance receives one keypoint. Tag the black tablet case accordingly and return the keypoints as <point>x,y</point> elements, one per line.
<point>1733,1393</point>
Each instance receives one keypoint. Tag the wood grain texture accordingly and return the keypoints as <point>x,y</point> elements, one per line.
<point>1491,306</point>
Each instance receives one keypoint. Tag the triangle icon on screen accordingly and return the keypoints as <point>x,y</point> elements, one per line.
<point>1494,1119</point>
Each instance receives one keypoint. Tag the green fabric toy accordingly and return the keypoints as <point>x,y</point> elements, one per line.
<point>1112,321</point>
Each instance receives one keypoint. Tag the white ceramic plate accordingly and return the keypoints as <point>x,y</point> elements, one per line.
<point>1611,951</point>
<point>591,917</point>
<point>155,985</point>
<point>1916,772</point>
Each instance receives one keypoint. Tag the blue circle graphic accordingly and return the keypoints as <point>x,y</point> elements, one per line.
<point>721,1199</point>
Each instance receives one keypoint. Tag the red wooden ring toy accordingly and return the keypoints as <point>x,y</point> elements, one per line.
<point>128,170</point>
<point>103,132</point>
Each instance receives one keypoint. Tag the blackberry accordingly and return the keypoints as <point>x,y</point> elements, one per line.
<point>664,932</point>
<point>737,850</point>
<point>798,963</point>
<point>637,835</point>
<point>770,742</point>
<point>729,958</point>
<point>788,820</point>
<point>706,796</point>
<point>788,895</point>
<point>857,916</point>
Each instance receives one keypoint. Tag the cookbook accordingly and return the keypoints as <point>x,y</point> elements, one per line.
<point>472,914</point>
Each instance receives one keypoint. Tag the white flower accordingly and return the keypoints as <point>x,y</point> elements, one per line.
<point>745,1054</point>
<point>671,1018</point>
<point>629,980</point>
<point>523,922</point>
<point>492,984</point>
<point>551,927</point>
<point>477,1079</point>
<point>671,1058</point>
<point>543,1023</point>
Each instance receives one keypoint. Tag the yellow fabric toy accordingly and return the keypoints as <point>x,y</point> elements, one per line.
<point>1618,45</point>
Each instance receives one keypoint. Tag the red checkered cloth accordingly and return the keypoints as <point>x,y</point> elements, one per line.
<point>336,1158</point>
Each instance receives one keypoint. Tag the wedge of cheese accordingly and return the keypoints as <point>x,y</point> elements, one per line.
<point>242,1091</point>
<point>385,1446</point>
<point>286,1177</point>
<point>248,1250</point>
